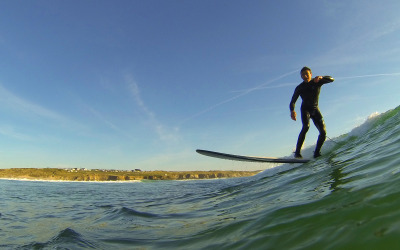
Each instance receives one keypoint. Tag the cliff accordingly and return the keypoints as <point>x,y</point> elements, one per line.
<point>55,174</point>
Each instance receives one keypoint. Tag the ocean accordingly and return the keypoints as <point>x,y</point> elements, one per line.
<point>347,199</point>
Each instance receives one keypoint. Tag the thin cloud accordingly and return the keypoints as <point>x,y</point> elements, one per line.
<point>15,102</point>
<point>243,93</point>
<point>162,131</point>
<point>29,109</point>
<point>283,85</point>
<point>11,132</point>
<point>106,121</point>
<point>11,103</point>
<point>370,75</point>
<point>352,51</point>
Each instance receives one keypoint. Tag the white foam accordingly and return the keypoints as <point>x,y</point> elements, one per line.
<point>365,126</point>
<point>359,130</point>
<point>65,181</point>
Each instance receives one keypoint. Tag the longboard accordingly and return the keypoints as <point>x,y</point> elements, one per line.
<point>249,158</point>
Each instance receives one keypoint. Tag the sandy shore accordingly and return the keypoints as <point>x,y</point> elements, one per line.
<point>54,174</point>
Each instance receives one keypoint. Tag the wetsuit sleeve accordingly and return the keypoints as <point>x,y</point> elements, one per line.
<point>295,96</point>
<point>326,79</point>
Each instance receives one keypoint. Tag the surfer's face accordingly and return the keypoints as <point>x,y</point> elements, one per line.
<point>306,75</point>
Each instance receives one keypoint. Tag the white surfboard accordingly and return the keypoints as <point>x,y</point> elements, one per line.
<point>250,158</point>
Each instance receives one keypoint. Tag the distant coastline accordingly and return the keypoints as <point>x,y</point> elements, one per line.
<point>55,174</point>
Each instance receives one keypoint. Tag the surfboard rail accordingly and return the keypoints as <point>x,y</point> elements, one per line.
<point>249,158</point>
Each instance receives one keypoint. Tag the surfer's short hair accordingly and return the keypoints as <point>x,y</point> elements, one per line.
<point>304,69</point>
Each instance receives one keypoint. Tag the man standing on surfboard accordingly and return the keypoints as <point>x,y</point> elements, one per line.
<point>309,91</point>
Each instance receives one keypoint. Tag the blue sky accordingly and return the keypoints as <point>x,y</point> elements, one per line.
<point>143,84</point>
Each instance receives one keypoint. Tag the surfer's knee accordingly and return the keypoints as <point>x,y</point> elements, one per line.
<point>322,136</point>
<point>305,128</point>
<point>322,131</point>
<point>321,127</point>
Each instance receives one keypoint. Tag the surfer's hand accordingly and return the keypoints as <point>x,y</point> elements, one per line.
<point>316,79</point>
<point>293,115</point>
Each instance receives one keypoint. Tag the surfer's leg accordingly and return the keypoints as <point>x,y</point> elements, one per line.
<point>305,119</point>
<point>319,123</point>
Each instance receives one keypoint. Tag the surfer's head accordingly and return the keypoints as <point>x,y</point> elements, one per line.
<point>306,74</point>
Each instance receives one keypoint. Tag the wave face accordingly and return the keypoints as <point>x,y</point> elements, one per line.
<point>346,199</point>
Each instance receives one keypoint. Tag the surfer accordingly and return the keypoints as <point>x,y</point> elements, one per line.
<point>309,91</point>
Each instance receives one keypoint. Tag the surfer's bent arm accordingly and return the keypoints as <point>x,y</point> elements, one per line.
<point>325,79</point>
<point>317,79</point>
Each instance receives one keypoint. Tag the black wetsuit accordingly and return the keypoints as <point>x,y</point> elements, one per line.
<point>309,92</point>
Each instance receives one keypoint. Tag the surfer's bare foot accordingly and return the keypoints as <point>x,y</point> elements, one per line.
<point>317,154</point>
<point>298,155</point>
